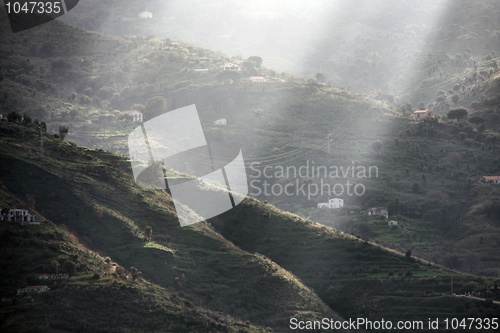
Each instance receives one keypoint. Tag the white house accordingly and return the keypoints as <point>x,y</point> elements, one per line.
<point>146,14</point>
<point>392,223</point>
<point>383,213</point>
<point>19,215</point>
<point>332,203</point>
<point>220,122</point>
<point>136,115</point>
<point>231,67</point>
<point>32,290</point>
<point>378,212</point>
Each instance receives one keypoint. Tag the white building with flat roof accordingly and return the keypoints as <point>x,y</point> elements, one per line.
<point>332,203</point>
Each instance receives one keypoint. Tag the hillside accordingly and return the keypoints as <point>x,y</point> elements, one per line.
<point>88,299</point>
<point>424,168</point>
<point>276,255</point>
<point>91,193</point>
<point>407,49</point>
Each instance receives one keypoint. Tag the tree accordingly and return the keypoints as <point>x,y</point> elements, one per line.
<point>256,60</point>
<point>155,106</point>
<point>408,254</point>
<point>138,107</point>
<point>84,99</point>
<point>14,117</point>
<point>409,108</point>
<point>476,120</point>
<point>149,232</point>
<point>226,76</point>
<point>105,92</point>
<point>63,131</point>
<point>73,114</point>
<point>457,114</point>
<point>69,266</point>
<point>455,98</point>
<point>320,77</point>
<point>26,119</point>
<point>135,273</point>
<point>174,56</point>
<point>55,265</point>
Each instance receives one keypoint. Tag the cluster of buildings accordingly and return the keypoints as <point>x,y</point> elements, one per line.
<point>137,117</point>
<point>18,215</point>
<point>375,212</point>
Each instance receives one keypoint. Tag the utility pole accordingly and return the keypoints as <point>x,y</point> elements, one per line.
<point>41,140</point>
<point>452,285</point>
<point>328,140</point>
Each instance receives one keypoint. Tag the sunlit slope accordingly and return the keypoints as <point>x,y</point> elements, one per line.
<point>93,194</point>
<point>99,296</point>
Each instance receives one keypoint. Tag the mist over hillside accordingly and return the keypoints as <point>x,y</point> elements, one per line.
<point>364,46</point>
<point>369,133</point>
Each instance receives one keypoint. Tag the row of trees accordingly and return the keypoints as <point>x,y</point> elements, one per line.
<point>26,120</point>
